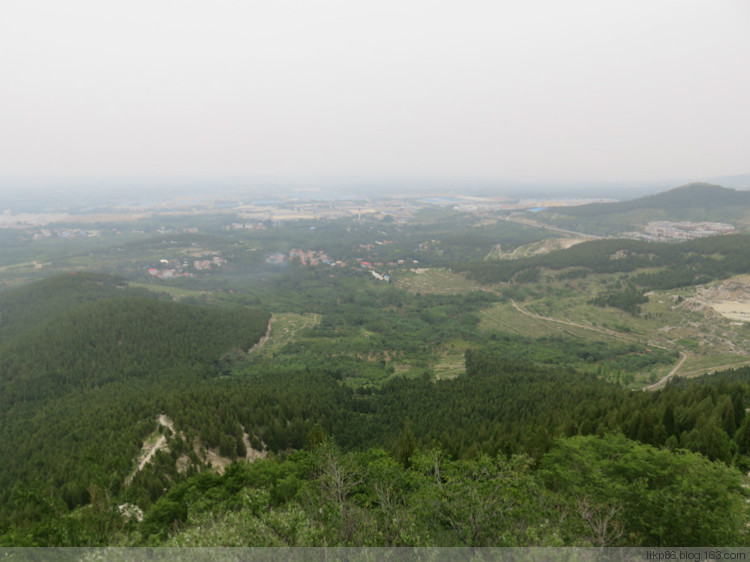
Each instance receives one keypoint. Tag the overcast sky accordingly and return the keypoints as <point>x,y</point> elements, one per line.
<point>313,91</point>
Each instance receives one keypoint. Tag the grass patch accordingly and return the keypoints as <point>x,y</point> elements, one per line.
<point>697,365</point>
<point>450,366</point>
<point>436,281</point>
<point>176,293</point>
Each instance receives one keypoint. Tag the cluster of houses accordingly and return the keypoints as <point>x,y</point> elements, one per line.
<point>170,269</point>
<point>666,230</point>
<point>66,233</point>
<point>313,258</point>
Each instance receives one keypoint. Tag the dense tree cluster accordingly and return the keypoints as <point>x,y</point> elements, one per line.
<point>629,299</point>
<point>82,363</point>
<point>616,362</point>
<point>467,429</point>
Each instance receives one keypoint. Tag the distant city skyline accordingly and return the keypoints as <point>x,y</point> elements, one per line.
<point>111,96</point>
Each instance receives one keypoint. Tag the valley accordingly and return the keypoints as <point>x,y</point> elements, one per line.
<point>217,364</point>
<point>424,281</point>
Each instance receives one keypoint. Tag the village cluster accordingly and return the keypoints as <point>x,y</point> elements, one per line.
<point>666,230</point>
<point>314,258</point>
<point>186,267</point>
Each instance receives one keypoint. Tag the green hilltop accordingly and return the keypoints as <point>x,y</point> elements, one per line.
<point>696,202</point>
<point>680,202</point>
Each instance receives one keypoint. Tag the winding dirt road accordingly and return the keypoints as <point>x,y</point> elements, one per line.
<point>661,382</point>
<point>658,384</point>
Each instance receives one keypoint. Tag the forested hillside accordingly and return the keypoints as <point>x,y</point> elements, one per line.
<point>35,303</point>
<point>508,455</point>
<point>83,372</point>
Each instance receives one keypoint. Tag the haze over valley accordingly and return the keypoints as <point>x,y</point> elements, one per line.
<point>396,274</point>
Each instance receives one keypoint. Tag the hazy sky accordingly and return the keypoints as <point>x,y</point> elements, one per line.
<point>314,91</point>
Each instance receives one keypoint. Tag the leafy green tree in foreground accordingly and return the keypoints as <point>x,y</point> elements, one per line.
<point>586,491</point>
<point>628,493</point>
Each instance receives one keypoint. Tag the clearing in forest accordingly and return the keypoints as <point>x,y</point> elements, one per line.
<point>534,248</point>
<point>284,329</point>
<point>436,280</point>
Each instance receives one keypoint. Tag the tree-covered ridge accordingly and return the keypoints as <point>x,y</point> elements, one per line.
<point>683,264</point>
<point>118,338</point>
<point>516,408</point>
<point>458,484</point>
<point>82,375</point>
<point>36,303</point>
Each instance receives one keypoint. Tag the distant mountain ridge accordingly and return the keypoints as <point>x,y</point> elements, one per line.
<point>699,196</point>
<point>694,202</point>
